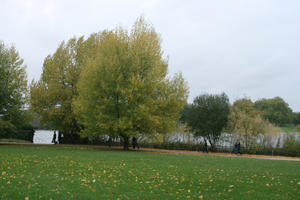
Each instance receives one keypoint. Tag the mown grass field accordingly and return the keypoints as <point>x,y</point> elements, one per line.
<point>289,129</point>
<point>81,172</point>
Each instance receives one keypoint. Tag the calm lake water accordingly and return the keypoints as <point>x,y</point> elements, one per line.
<point>43,137</point>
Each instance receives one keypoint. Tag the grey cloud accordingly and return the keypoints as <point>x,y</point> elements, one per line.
<point>240,47</point>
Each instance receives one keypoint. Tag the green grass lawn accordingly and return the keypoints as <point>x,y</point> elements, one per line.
<point>70,172</point>
<point>289,129</point>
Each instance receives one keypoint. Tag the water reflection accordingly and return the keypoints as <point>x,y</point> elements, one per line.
<point>43,137</point>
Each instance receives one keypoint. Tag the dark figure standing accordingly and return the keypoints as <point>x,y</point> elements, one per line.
<point>235,148</point>
<point>135,143</point>
<point>54,138</point>
<point>205,147</point>
<point>239,148</point>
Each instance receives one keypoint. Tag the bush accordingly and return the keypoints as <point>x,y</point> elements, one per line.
<point>9,131</point>
<point>291,146</point>
<point>173,146</point>
<point>72,139</point>
<point>26,133</point>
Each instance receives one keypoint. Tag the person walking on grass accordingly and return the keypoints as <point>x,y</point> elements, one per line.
<point>205,146</point>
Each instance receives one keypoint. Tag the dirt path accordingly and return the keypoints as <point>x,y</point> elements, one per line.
<point>186,152</point>
<point>220,154</point>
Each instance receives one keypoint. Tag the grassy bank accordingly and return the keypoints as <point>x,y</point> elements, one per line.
<point>289,129</point>
<point>70,172</point>
<point>12,140</point>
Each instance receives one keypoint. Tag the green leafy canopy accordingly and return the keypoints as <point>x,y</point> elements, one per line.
<point>125,90</point>
<point>208,116</point>
<point>13,91</point>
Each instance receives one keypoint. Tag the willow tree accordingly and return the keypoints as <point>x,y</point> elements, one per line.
<point>53,94</point>
<point>248,122</point>
<point>125,89</point>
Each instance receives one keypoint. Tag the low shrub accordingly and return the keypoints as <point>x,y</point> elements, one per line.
<point>9,131</point>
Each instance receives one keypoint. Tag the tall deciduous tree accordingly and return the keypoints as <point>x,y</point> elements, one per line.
<point>125,89</point>
<point>53,94</point>
<point>208,116</point>
<point>276,110</point>
<point>13,91</point>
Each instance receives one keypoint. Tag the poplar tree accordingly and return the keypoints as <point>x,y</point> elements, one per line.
<point>52,96</point>
<point>13,92</point>
<point>247,122</point>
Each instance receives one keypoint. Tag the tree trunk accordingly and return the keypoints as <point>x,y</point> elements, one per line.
<point>109,141</point>
<point>59,137</point>
<point>126,142</point>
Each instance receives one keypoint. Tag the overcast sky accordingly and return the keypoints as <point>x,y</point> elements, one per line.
<point>241,47</point>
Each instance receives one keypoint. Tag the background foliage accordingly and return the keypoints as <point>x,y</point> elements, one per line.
<point>13,93</point>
